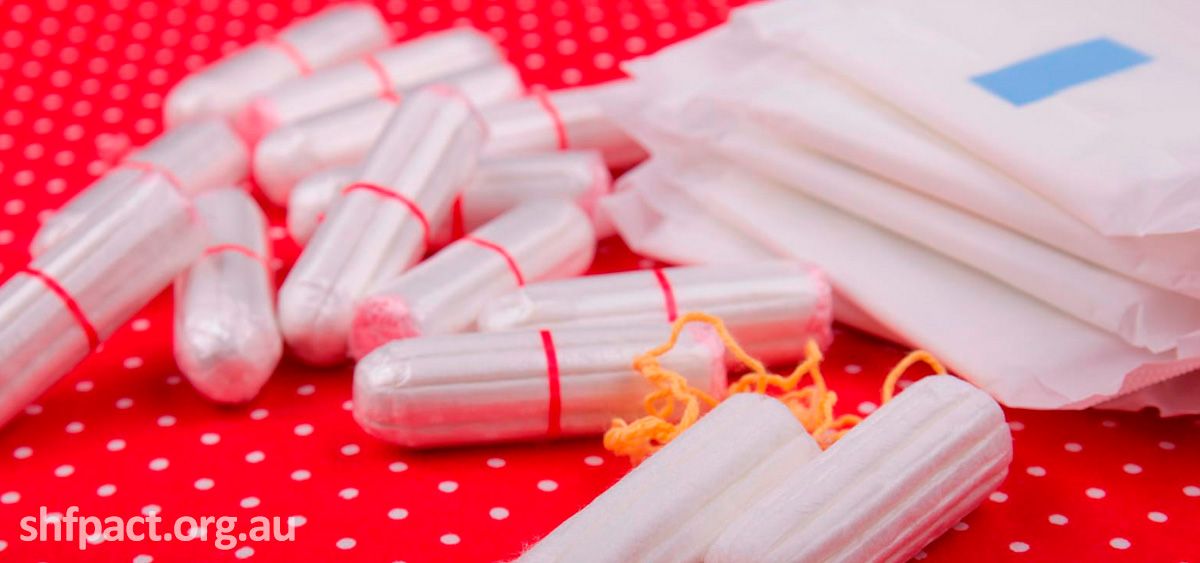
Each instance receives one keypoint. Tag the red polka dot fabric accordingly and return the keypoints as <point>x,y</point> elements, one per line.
<point>82,82</point>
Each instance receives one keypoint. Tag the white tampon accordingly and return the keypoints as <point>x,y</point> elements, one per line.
<point>194,157</point>
<point>227,342</point>
<point>479,388</point>
<point>69,299</point>
<point>384,73</point>
<point>380,224</point>
<point>771,307</point>
<point>345,135</point>
<point>499,184</point>
<point>538,240</point>
<point>330,37</point>
<point>563,120</point>
<point>891,485</point>
<point>674,505</point>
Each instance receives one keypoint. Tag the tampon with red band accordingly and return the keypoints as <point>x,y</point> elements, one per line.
<point>332,36</point>
<point>538,240</point>
<point>479,388</point>
<point>499,184</point>
<point>227,341</point>
<point>772,307</point>
<point>385,73</point>
<point>428,150</point>
<point>344,136</point>
<point>193,158</point>
<point>575,118</point>
<point>125,252</point>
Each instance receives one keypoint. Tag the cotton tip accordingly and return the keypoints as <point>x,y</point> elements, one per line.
<point>379,320</point>
<point>226,366</point>
<point>315,321</point>
<point>258,118</point>
<point>274,162</point>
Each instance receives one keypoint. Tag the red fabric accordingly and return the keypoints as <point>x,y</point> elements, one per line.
<point>81,81</point>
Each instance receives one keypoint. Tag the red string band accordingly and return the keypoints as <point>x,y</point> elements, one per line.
<point>512,264</point>
<point>89,331</point>
<point>668,294</point>
<point>458,222</point>
<point>410,204</point>
<point>554,417</point>
<point>560,130</point>
<point>293,54</point>
<point>155,169</point>
<point>387,90</point>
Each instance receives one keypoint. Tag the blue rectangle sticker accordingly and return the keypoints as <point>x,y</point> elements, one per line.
<point>1044,75</point>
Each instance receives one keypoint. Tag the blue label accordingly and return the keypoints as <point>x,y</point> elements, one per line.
<point>1047,74</point>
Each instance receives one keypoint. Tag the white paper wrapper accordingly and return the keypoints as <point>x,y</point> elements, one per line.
<point>128,251</point>
<point>383,226</point>
<point>498,185</point>
<point>332,36</point>
<point>344,136</point>
<point>194,157</point>
<point>772,308</point>
<point>385,73</point>
<point>479,388</point>
<point>675,504</point>
<point>561,120</point>
<point>539,240</point>
<point>227,342</point>
<point>891,485</point>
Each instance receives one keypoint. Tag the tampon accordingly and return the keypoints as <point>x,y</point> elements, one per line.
<point>476,388</point>
<point>771,307</point>
<point>227,342</point>
<point>330,37</point>
<point>538,240</point>
<point>891,485</point>
<point>194,157</point>
<point>68,300</point>
<point>345,135</point>
<point>498,185</point>
<point>575,118</point>
<point>675,504</point>
<point>381,224</point>
<point>384,73</point>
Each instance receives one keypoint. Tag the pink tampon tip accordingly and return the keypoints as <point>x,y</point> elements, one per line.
<point>256,120</point>
<point>379,320</point>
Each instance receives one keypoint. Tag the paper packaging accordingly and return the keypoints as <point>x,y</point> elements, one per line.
<point>773,308</point>
<point>382,223</point>
<point>561,120</point>
<point>195,157</point>
<point>497,186</point>
<point>1111,142</point>
<point>539,240</point>
<point>227,342</point>
<point>385,73</point>
<point>80,290</point>
<point>891,485</point>
<point>675,504</point>
<point>479,388</point>
<point>332,36</point>
<point>344,136</point>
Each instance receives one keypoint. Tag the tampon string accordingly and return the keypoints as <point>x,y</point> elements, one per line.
<point>512,263</point>
<point>387,89</point>
<point>554,403</point>
<point>408,203</point>
<point>81,318</point>
<point>153,168</point>
<point>668,295</point>
<point>560,129</point>
<point>292,53</point>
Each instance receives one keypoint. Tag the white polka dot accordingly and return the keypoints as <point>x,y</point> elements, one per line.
<point>349,493</point>
<point>33,410</point>
<point>204,484</point>
<point>1073,447</point>
<point>250,502</point>
<point>397,514</point>
<point>64,470</point>
<point>961,527</point>
<point>547,485</point>
<point>255,456</point>
<point>166,420</point>
<point>151,509</point>
<point>853,369</point>
<point>346,543</point>
<point>447,486</point>
<point>133,362</point>
<point>498,513</point>
<point>920,555</point>
<point>1157,517</point>
<point>397,466</point>
<point>1018,547</point>
<point>303,429</point>
<point>496,463</point>
<point>115,445</point>
<point>173,379</point>
<point>1108,423</point>
<point>3,545</point>
<point>997,497</point>
<point>74,427</point>
<point>124,403</point>
<point>297,520</point>
<point>347,405</point>
<point>1036,471</point>
<point>593,460</point>
<point>867,407</point>
<point>159,464</point>
<point>258,414</point>
<point>301,475</point>
<point>1166,445</point>
<point>450,539</point>
<point>308,389</point>
<point>210,438</point>
<point>244,552</point>
<point>1191,491</point>
<point>11,497</point>
<point>350,449</point>
<point>106,490</point>
<point>1094,492</point>
<point>1119,543</point>
<point>140,325</point>
<point>84,386</point>
<point>23,452</point>
<point>1132,468</point>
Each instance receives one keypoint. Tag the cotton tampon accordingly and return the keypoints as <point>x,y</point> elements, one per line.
<point>675,504</point>
<point>384,73</point>
<point>330,37</point>
<point>381,224</point>
<point>227,341</point>
<point>194,157</point>
<point>892,484</point>
<point>538,240</point>
<point>69,299</point>
<point>344,136</point>
<point>498,185</point>
<point>479,388</point>
<point>772,307</point>
<point>561,120</point>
